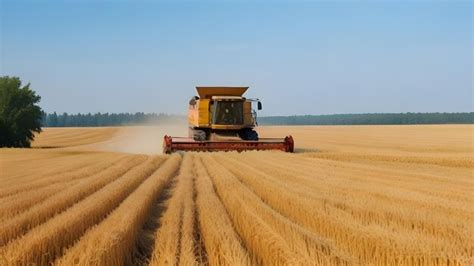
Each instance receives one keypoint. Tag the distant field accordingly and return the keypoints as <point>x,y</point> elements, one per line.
<point>65,137</point>
<point>353,195</point>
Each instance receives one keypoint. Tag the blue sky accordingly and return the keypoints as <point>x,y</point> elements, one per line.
<point>298,57</point>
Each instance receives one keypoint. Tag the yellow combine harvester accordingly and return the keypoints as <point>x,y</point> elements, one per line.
<point>221,119</point>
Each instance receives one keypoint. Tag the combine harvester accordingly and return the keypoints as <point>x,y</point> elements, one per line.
<point>221,119</point>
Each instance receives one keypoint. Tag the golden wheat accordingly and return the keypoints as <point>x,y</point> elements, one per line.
<point>66,137</point>
<point>356,195</point>
<point>17,203</point>
<point>51,162</point>
<point>18,225</point>
<point>335,214</point>
<point>308,245</point>
<point>174,238</point>
<point>47,241</point>
<point>223,245</point>
<point>266,244</point>
<point>111,242</point>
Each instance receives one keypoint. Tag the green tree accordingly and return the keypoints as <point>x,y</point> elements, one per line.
<point>20,116</point>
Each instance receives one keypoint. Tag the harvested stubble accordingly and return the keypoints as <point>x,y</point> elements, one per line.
<point>43,244</point>
<point>112,241</point>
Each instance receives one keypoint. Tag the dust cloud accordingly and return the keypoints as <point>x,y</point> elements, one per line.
<point>142,139</point>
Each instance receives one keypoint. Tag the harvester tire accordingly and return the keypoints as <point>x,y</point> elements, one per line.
<point>248,134</point>
<point>199,135</point>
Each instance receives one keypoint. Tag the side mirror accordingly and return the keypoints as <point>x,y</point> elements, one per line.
<point>259,105</point>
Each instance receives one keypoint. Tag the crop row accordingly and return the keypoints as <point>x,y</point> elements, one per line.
<point>236,209</point>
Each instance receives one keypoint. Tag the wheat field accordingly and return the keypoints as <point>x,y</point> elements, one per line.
<point>349,195</point>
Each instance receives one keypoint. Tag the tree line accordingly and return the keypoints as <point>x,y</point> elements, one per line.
<point>371,119</point>
<point>123,119</point>
<point>21,117</point>
<point>107,119</point>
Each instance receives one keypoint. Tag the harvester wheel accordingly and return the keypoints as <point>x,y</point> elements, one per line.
<point>248,134</point>
<point>198,134</point>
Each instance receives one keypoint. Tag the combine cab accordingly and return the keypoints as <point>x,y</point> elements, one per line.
<point>221,119</point>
